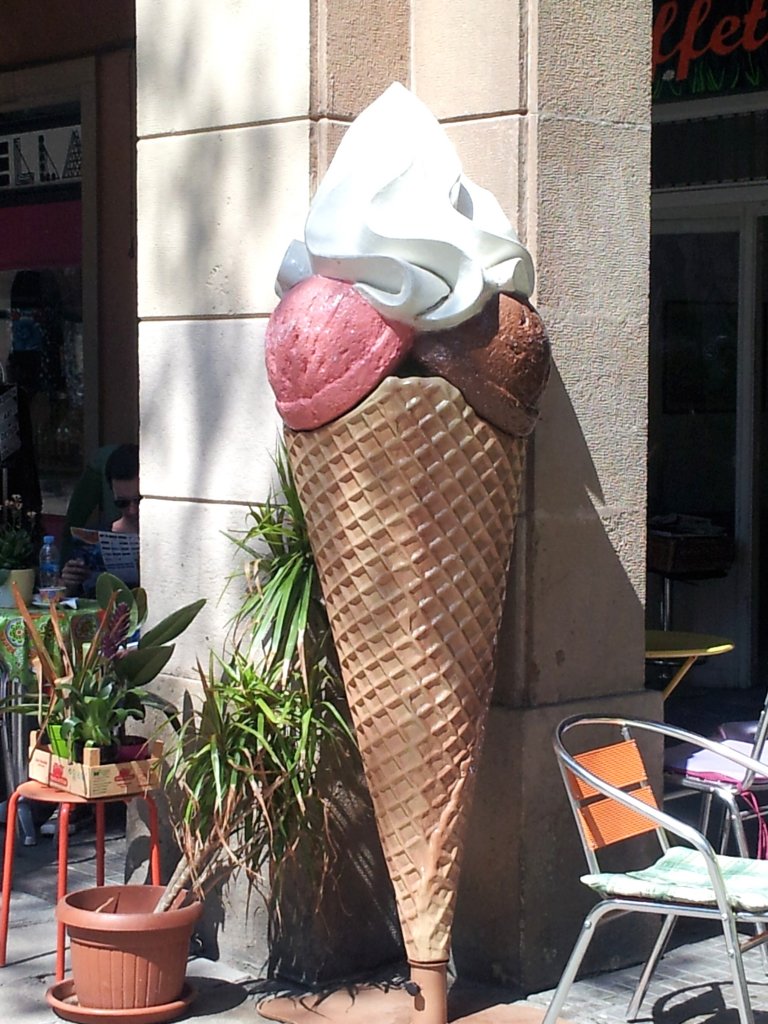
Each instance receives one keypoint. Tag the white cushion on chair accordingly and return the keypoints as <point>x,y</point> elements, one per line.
<point>681,876</point>
<point>699,763</point>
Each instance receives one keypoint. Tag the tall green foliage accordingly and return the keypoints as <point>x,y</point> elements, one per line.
<point>271,721</point>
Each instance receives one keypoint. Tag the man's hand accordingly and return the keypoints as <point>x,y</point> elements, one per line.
<point>74,573</point>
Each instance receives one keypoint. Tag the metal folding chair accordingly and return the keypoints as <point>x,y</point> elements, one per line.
<point>14,747</point>
<point>612,801</point>
<point>692,769</point>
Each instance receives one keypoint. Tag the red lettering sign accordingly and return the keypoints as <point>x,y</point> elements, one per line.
<point>697,38</point>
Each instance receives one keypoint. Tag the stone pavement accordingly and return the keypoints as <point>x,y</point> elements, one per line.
<point>691,985</point>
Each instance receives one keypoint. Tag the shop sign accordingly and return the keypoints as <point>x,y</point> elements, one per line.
<point>705,48</point>
<point>46,157</point>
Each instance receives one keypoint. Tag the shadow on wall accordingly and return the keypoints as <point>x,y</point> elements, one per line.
<point>205,221</point>
<point>572,633</point>
<point>351,927</point>
<point>573,623</point>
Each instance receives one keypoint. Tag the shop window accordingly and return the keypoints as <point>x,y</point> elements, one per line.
<point>727,149</point>
<point>41,308</point>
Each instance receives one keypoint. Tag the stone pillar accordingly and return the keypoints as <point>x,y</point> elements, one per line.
<point>550,108</point>
<point>223,185</point>
<point>357,50</point>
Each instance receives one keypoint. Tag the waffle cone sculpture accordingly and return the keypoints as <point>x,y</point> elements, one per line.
<point>410,500</point>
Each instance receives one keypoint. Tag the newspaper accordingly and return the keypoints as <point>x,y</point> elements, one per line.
<point>104,551</point>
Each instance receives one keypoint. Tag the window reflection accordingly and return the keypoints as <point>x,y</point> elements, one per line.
<point>41,333</point>
<point>41,348</point>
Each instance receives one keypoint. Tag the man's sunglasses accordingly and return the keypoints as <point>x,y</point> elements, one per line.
<point>122,503</point>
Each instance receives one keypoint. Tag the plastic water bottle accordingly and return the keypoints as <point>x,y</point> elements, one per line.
<point>49,563</point>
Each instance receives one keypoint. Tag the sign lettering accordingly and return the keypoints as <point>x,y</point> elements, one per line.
<point>709,47</point>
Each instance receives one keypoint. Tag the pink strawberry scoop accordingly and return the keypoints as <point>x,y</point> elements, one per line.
<point>326,349</point>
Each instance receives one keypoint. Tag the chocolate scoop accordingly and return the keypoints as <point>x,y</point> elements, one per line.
<point>499,360</point>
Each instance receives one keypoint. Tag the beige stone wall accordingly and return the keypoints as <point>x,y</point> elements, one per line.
<point>240,107</point>
<point>223,184</point>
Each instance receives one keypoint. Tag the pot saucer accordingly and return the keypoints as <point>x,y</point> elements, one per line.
<point>62,999</point>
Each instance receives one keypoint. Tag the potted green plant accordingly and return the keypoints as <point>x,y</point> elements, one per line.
<point>88,693</point>
<point>249,759</point>
<point>18,555</point>
<point>245,763</point>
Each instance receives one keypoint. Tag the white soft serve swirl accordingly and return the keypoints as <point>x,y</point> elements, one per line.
<point>395,216</point>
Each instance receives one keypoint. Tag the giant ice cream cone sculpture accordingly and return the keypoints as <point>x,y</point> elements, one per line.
<point>410,501</point>
<point>410,493</point>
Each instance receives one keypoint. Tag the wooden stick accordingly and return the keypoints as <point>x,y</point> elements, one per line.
<point>102,908</point>
<point>178,899</point>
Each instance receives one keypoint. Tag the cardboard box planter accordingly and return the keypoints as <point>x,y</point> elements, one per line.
<point>90,778</point>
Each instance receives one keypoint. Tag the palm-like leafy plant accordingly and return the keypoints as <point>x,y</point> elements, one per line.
<point>282,616</point>
<point>92,690</point>
<point>250,759</point>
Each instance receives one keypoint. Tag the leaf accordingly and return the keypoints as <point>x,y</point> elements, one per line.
<point>49,671</point>
<point>172,625</point>
<point>139,667</point>
<point>140,597</point>
<point>108,585</point>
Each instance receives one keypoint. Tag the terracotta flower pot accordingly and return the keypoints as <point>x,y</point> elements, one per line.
<point>124,956</point>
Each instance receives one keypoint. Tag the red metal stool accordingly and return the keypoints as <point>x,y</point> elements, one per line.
<point>37,791</point>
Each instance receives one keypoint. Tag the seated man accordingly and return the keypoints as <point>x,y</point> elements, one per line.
<point>121,472</point>
<point>91,503</point>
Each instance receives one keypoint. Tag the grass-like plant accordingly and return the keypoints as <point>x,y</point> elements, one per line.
<point>249,760</point>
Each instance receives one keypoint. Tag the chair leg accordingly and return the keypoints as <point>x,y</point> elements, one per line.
<point>737,970</point>
<point>5,896</point>
<point>100,841</point>
<point>574,961</point>
<point>659,946</point>
<point>61,889</point>
<point>706,811</point>
<point>154,844</point>
<point>731,822</point>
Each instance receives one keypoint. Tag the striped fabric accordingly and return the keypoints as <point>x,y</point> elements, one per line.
<point>681,876</point>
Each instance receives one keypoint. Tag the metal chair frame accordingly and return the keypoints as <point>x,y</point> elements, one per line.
<point>735,815</point>
<point>634,813</point>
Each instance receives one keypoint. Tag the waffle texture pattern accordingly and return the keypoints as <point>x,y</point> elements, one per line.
<point>410,501</point>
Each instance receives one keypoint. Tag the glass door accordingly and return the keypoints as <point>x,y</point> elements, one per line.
<point>760,499</point>
<point>706,476</point>
<point>692,368</point>
<point>41,304</point>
